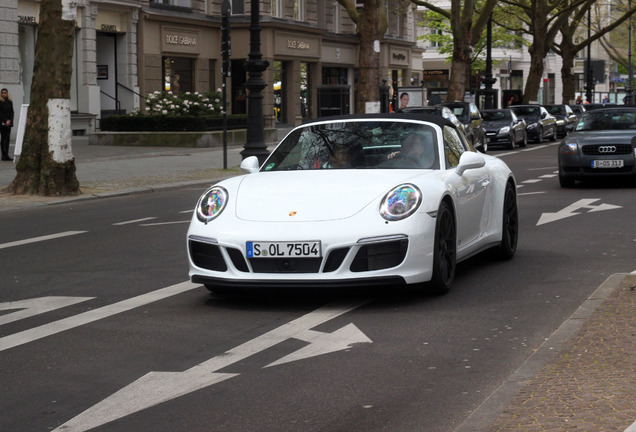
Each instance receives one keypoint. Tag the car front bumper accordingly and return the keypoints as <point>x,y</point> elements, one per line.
<point>579,167</point>
<point>353,253</point>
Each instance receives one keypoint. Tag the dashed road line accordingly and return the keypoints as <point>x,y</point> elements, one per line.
<point>134,221</point>
<point>40,239</point>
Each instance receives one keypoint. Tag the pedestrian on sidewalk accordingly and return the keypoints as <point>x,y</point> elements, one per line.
<point>6,122</point>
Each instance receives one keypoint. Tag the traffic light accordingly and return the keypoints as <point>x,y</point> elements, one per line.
<point>226,42</point>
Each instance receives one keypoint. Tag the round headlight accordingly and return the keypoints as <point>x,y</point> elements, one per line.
<point>401,202</point>
<point>211,203</point>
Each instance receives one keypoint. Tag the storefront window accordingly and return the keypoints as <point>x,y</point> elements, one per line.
<point>178,74</point>
<point>305,93</point>
<point>334,75</point>
<point>278,90</point>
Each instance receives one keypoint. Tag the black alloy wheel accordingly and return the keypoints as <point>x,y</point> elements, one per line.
<point>510,224</point>
<point>445,251</point>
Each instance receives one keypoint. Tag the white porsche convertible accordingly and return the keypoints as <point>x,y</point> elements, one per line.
<point>388,200</point>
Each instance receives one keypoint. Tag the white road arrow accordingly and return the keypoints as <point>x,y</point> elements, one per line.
<point>571,210</point>
<point>31,307</point>
<point>325,343</point>
<point>157,387</point>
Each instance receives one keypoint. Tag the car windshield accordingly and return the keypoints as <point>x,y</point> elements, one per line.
<point>527,111</point>
<point>461,113</point>
<point>556,109</point>
<point>496,115</point>
<point>357,145</point>
<point>604,120</point>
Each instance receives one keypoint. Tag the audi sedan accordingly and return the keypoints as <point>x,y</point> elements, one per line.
<point>601,146</point>
<point>390,200</point>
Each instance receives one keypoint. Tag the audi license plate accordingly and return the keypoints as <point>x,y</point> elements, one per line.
<point>607,163</point>
<point>303,249</point>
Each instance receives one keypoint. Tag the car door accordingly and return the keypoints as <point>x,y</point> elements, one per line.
<point>470,191</point>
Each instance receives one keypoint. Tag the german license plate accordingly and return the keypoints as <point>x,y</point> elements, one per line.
<point>607,163</point>
<point>302,249</point>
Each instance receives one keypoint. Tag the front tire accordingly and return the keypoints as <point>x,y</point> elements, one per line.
<point>510,224</point>
<point>444,251</point>
<point>566,182</point>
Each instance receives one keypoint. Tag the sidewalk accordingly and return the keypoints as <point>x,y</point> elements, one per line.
<point>112,170</point>
<point>583,378</point>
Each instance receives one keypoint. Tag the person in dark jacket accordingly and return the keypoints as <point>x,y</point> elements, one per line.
<point>6,122</point>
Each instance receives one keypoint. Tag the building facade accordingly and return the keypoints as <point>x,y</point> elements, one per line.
<point>125,49</point>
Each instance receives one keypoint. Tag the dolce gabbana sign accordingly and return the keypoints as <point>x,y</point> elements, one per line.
<point>297,45</point>
<point>180,40</point>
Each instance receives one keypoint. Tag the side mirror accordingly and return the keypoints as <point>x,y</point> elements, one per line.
<point>250,165</point>
<point>543,115</point>
<point>470,160</point>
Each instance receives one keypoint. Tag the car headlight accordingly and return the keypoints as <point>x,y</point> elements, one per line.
<point>532,125</point>
<point>569,148</point>
<point>211,203</point>
<point>560,122</point>
<point>504,130</point>
<point>401,202</point>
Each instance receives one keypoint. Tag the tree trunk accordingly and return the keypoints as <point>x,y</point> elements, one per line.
<point>461,22</point>
<point>459,78</point>
<point>531,92</point>
<point>46,165</point>
<point>567,76</point>
<point>367,87</point>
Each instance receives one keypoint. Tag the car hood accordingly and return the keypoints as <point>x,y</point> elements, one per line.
<point>322,195</point>
<point>603,137</point>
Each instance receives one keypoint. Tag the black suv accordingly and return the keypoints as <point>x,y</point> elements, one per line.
<point>468,114</point>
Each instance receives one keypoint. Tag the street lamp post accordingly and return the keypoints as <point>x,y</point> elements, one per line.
<point>255,66</point>
<point>489,93</point>
<point>629,100</point>
<point>589,85</point>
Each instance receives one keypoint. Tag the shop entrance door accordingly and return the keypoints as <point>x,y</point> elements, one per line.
<point>106,53</point>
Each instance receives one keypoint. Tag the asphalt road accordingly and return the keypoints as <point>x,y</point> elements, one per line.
<point>91,315</point>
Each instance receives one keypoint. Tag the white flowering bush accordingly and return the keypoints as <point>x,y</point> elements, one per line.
<point>187,104</point>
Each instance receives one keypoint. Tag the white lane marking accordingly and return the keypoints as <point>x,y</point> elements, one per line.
<point>165,223</point>
<point>186,211</point>
<point>41,238</point>
<point>532,181</point>
<point>571,210</point>
<point>632,428</point>
<point>548,176</point>
<point>134,221</point>
<point>531,193</point>
<point>158,387</point>
<point>50,329</point>
<point>31,307</point>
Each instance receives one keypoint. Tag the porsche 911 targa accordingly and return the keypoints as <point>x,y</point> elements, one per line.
<point>378,199</point>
